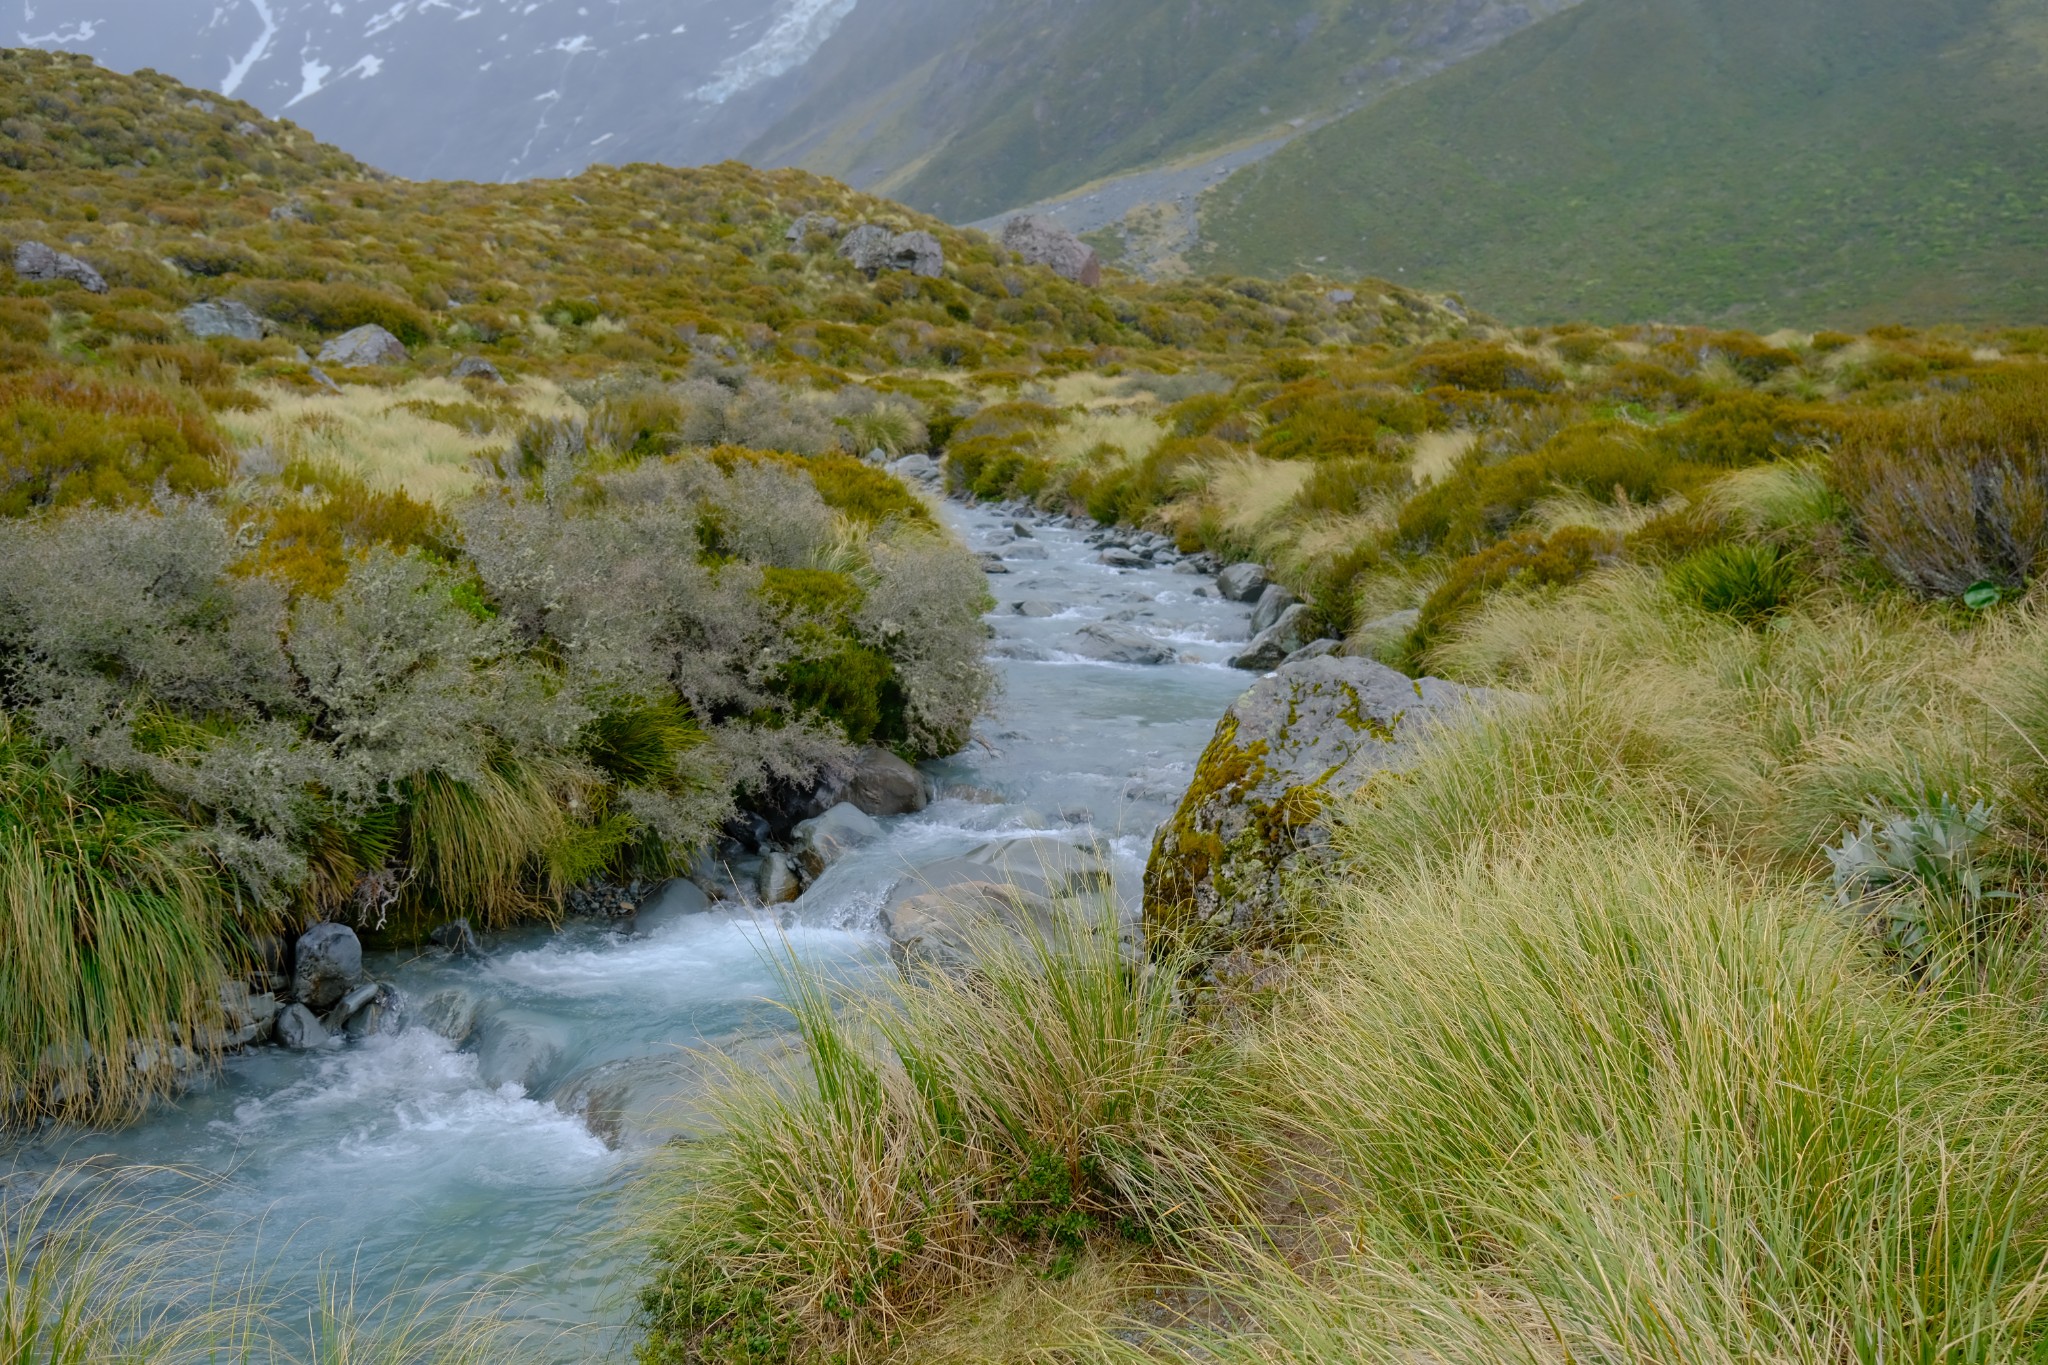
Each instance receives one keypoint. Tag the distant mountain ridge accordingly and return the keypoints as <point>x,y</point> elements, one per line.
<point>963,108</point>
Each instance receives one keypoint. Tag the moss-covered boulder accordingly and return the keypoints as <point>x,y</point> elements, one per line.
<point>1307,734</point>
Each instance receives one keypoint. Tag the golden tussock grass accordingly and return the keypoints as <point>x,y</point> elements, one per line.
<point>371,433</point>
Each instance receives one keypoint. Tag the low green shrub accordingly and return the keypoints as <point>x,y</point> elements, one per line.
<point>1743,581</point>
<point>70,438</point>
<point>333,308</point>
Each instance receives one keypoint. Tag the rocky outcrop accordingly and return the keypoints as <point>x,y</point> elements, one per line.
<point>875,249</point>
<point>1313,732</point>
<point>34,261</point>
<point>476,367</point>
<point>1274,645</point>
<point>1038,240</point>
<point>366,346</point>
<point>223,318</point>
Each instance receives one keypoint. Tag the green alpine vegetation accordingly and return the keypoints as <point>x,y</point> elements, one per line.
<point>1758,163</point>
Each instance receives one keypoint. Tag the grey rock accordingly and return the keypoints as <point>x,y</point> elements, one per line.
<point>1314,649</point>
<point>1021,650</point>
<point>1274,600</point>
<point>1035,607</point>
<point>1119,558</point>
<point>950,914</point>
<point>328,965</point>
<point>457,938</point>
<point>823,840</point>
<point>1115,645</point>
<point>1271,646</point>
<point>476,367</point>
<point>223,318</point>
<point>1320,730</point>
<point>917,252</point>
<point>1243,582</point>
<point>299,1029</point>
<point>515,1048</point>
<point>382,1012</point>
<point>677,900</point>
<point>1206,591</point>
<point>1189,566</point>
<point>1018,528</point>
<point>1340,297</point>
<point>452,1013</point>
<point>1039,240</point>
<point>1027,550</point>
<point>366,346</point>
<point>777,880</point>
<point>992,562</point>
<point>292,212</point>
<point>875,249</point>
<point>639,1102</point>
<point>808,223</point>
<point>915,467</point>
<point>884,784</point>
<point>34,261</point>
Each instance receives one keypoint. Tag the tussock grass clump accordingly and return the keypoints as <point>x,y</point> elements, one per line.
<point>116,923</point>
<point>1603,1095</point>
<point>929,1142</point>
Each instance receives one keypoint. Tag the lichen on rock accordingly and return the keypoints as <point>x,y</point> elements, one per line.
<point>1308,734</point>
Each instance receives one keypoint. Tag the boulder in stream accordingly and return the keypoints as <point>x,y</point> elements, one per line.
<point>1112,644</point>
<point>884,785</point>
<point>328,965</point>
<point>1273,645</point>
<point>947,914</point>
<point>515,1048</point>
<point>299,1029</point>
<point>1243,582</point>
<point>1274,601</point>
<point>451,1012</point>
<point>677,900</point>
<point>1307,734</point>
<point>823,840</point>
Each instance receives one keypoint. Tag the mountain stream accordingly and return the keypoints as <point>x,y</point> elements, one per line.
<point>393,1161</point>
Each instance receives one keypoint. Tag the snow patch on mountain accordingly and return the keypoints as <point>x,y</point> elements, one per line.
<point>794,38</point>
<point>80,32</point>
<point>257,50</point>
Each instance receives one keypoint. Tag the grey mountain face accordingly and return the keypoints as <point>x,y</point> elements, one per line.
<point>469,89</point>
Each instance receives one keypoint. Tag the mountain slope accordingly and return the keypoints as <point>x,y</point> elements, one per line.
<point>980,108</point>
<point>484,89</point>
<point>1750,161</point>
